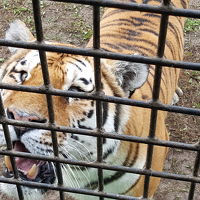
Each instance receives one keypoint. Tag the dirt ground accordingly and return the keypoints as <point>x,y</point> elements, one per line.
<point>71,23</point>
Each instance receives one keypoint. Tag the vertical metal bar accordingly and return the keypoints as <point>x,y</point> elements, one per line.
<point>45,73</point>
<point>9,147</point>
<point>155,93</point>
<point>195,174</point>
<point>97,69</point>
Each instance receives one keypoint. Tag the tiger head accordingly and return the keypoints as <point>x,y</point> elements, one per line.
<point>68,73</point>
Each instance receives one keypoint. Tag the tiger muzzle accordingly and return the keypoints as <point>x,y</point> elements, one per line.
<point>29,169</point>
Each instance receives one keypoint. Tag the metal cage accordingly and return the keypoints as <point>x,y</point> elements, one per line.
<point>165,10</point>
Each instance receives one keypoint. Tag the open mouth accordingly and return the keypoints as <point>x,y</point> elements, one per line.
<point>29,169</point>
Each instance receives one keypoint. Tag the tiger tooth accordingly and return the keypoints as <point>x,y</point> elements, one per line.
<point>32,173</point>
<point>8,163</point>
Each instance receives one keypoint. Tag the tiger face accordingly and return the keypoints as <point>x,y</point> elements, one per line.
<point>68,73</point>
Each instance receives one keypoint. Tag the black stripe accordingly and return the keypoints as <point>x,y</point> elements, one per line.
<point>170,45</point>
<point>117,116</point>
<point>117,23</point>
<point>149,31</point>
<point>136,48</point>
<point>105,111</point>
<point>12,76</point>
<point>84,127</point>
<point>152,15</point>
<point>141,21</point>
<point>85,81</point>
<point>127,34</point>
<point>75,65</point>
<point>162,78</point>
<point>109,151</point>
<point>80,61</point>
<point>114,47</point>
<point>90,113</point>
<point>133,48</point>
<point>14,70</point>
<point>148,42</point>
<point>183,4</point>
<point>126,22</point>
<point>118,174</point>
<point>130,32</point>
<point>176,32</point>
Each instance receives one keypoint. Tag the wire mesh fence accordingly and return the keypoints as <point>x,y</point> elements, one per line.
<point>165,10</point>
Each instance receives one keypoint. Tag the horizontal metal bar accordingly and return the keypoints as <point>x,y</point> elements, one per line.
<point>138,7</point>
<point>68,189</point>
<point>97,96</point>
<point>179,145</point>
<point>102,54</point>
<point>98,165</point>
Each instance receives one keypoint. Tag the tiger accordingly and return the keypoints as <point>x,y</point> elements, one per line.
<point>122,31</point>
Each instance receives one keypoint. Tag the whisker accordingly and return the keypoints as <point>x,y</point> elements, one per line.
<point>79,170</point>
<point>79,143</point>
<point>82,155</point>
<point>69,177</point>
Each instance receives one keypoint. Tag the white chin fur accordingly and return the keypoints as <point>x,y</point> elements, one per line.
<point>29,194</point>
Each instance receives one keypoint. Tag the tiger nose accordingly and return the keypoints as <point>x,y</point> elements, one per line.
<point>23,116</point>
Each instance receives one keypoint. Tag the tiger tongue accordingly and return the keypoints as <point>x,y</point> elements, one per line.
<point>28,167</point>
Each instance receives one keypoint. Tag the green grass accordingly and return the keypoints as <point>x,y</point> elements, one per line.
<point>20,10</point>
<point>192,25</point>
<point>87,34</point>
<point>194,76</point>
<point>197,105</point>
<point>78,25</point>
<point>5,4</point>
<point>2,60</point>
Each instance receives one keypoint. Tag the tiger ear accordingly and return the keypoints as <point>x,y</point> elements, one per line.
<point>130,75</point>
<point>18,31</point>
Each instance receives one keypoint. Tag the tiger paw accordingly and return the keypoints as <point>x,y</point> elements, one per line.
<point>178,93</point>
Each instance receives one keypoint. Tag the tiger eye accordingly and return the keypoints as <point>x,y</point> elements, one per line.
<point>23,62</point>
<point>23,75</point>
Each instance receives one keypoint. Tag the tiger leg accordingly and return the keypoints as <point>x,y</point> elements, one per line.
<point>158,159</point>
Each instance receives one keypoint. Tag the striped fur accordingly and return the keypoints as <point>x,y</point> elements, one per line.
<point>122,31</point>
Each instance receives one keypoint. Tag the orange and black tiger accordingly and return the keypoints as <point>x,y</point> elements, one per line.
<point>122,31</point>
